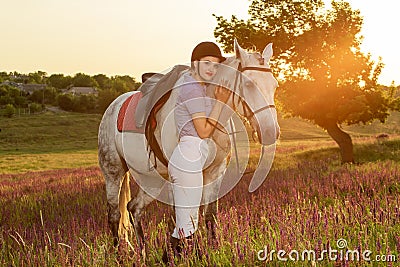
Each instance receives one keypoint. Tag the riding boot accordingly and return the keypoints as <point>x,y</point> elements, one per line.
<point>177,246</point>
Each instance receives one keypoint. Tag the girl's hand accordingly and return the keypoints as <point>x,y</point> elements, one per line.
<point>222,93</point>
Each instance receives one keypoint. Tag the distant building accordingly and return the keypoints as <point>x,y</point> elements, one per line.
<point>32,87</point>
<point>82,91</point>
<point>14,84</point>
<point>64,91</point>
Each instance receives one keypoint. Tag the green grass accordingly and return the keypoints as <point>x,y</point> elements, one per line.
<point>69,140</point>
<point>58,218</point>
<point>294,129</point>
<point>48,133</point>
<point>391,127</point>
<point>48,141</point>
<point>47,161</point>
<point>56,210</point>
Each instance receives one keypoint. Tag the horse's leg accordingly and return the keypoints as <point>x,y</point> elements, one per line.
<point>135,209</point>
<point>212,177</point>
<point>113,184</point>
<point>114,170</point>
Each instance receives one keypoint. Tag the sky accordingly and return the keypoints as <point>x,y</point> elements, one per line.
<point>130,37</point>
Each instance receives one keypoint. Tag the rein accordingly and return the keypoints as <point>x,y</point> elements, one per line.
<point>238,89</point>
<point>247,113</point>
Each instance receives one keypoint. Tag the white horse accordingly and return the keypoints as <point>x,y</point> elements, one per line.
<point>125,154</point>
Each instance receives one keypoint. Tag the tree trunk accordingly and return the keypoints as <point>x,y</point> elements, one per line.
<point>344,141</point>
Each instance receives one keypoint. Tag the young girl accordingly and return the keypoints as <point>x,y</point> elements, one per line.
<point>196,117</point>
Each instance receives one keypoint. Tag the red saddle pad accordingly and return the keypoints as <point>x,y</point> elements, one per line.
<point>126,116</point>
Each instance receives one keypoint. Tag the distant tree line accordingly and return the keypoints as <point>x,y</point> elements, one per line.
<point>55,91</point>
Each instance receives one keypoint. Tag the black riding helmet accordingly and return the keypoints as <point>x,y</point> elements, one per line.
<point>205,49</point>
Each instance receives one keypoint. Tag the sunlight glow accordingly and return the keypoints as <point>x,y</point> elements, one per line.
<point>132,37</point>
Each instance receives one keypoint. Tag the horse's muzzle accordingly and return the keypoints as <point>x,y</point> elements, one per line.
<point>268,137</point>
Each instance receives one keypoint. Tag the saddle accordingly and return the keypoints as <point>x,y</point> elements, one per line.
<point>139,110</point>
<point>153,89</point>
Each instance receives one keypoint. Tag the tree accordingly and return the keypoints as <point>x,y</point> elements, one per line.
<point>50,96</point>
<point>123,84</point>
<point>120,85</point>
<point>38,77</point>
<point>66,102</point>
<point>326,78</point>
<point>37,96</point>
<point>35,107</point>
<point>103,81</point>
<point>3,76</point>
<point>46,96</point>
<point>59,81</point>
<point>105,98</point>
<point>84,80</point>
<point>9,111</point>
<point>85,103</point>
<point>129,81</point>
<point>12,95</point>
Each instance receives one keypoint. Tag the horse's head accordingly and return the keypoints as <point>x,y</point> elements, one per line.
<point>254,86</point>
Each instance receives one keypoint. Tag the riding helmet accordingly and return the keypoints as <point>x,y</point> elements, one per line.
<point>205,49</point>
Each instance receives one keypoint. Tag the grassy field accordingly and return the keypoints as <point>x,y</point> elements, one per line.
<point>69,140</point>
<point>53,208</point>
<point>48,133</point>
<point>48,141</point>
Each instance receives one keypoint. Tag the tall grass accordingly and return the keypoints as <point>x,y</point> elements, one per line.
<point>58,218</point>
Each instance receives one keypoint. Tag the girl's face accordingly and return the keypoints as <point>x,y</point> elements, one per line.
<point>207,67</point>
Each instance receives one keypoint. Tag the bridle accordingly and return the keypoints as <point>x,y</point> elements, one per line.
<point>248,114</point>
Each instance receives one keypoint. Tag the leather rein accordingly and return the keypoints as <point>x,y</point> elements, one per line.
<point>238,89</point>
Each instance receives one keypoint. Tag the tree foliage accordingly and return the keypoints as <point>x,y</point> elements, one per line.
<point>12,95</point>
<point>35,107</point>
<point>38,77</point>
<point>103,81</point>
<point>66,102</point>
<point>109,88</point>
<point>9,111</point>
<point>46,96</point>
<point>106,97</point>
<point>84,80</point>
<point>59,81</point>
<point>325,77</point>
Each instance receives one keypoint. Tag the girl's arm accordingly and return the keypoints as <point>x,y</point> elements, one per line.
<point>205,126</point>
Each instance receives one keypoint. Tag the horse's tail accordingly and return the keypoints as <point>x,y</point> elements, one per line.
<point>124,198</point>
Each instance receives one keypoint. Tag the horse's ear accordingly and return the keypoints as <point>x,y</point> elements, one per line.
<point>267,53</point>
<point>239,52</point>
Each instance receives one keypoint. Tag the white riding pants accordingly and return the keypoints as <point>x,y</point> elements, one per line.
<point>185,169</point>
